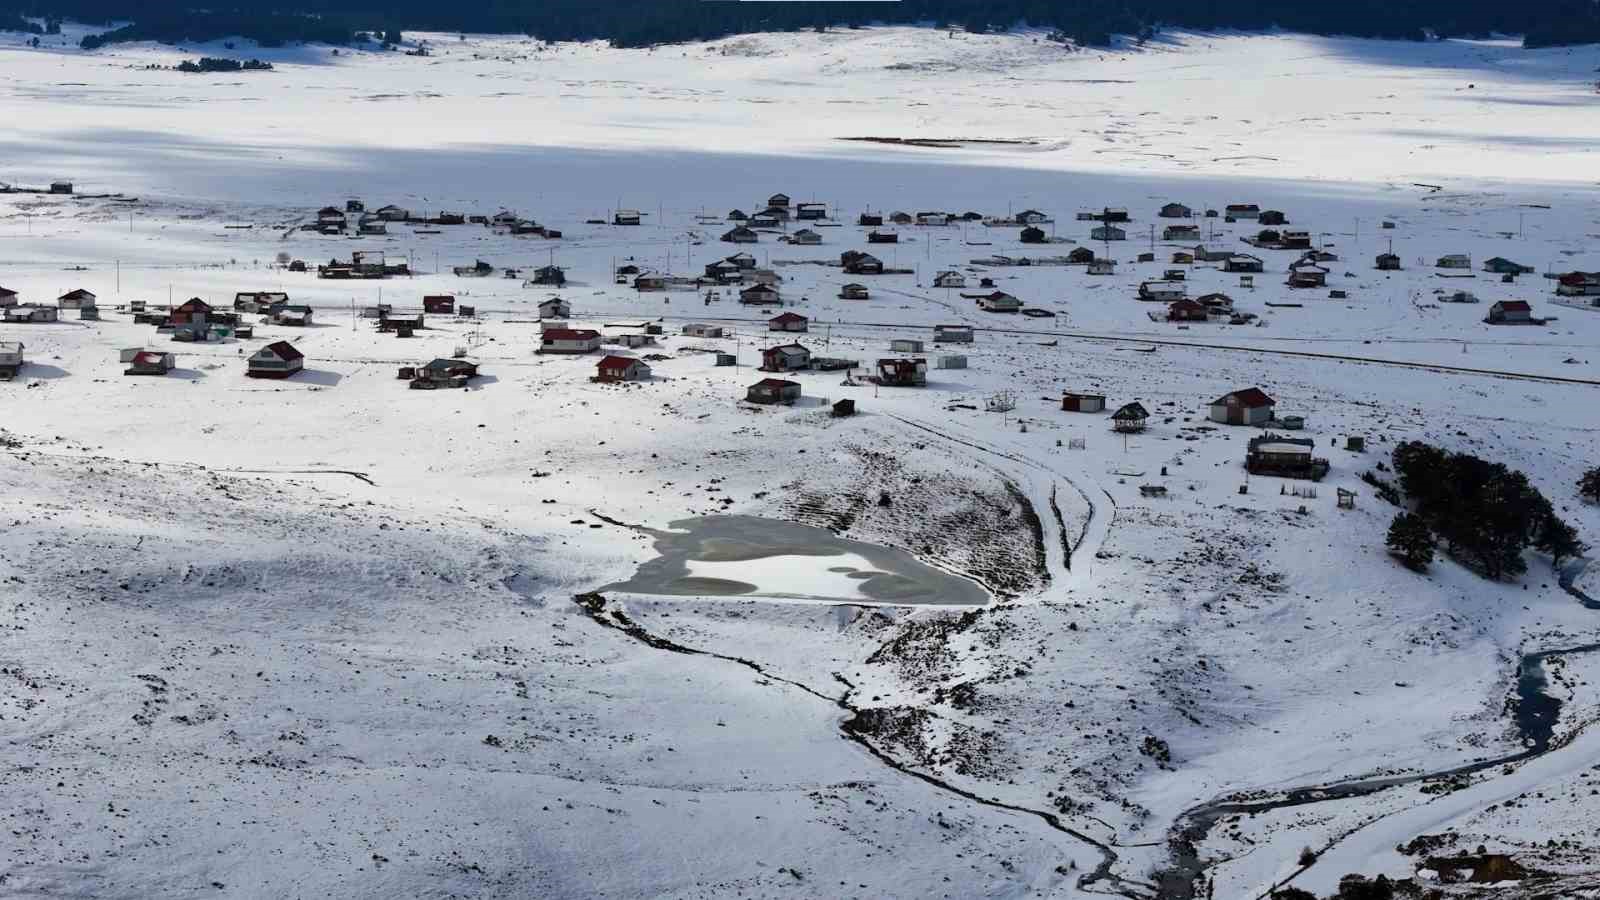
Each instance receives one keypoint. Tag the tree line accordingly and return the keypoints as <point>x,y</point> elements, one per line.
<point>633,23</point>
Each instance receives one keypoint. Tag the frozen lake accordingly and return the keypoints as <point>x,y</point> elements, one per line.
<point>748,556</point>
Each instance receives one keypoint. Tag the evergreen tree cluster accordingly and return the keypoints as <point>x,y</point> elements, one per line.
<point>646,22</point>
<point>220,64</point>
<point>1484,513</point>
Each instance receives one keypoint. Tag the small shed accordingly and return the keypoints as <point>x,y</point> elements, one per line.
<point>843,408</point>
<point>853,291</point>
<point>1388,262</point>
<point>1083,403</point>
<point>11,359</point>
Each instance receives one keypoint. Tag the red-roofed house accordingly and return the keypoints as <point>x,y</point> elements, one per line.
<point>788,321</point>
<point>1250,406</point>
<point>570,340</point>
<point>621,368</point>
<point>1510,312</point>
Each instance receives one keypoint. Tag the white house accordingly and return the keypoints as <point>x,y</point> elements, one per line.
<point>950,279</point>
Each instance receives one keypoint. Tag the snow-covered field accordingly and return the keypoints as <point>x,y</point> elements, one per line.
<point>319,636</point>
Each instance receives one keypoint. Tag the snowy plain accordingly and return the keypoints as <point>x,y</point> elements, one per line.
<point>233,666</point>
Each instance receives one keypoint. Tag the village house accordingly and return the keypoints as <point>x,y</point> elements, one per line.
<point>1243,262</point>
<point>278,359</point>
<point>1215,302</point>
<point>355,206</point>
<point>952,334</point>
<point>1082,403</point>
<point>760,295</point>
<point>883,237</point>
<point>555,308</point>
<point>330,215</point>
<point>444,373</point>
<point>1250,406</point>
<point>1108,233</point>
<point>569,340</point>
<point>1307,275</point>
<point>1033,235</point>
<point>392,213</point>
<point>778,201</point>
<point>789,321</point>
<point>949,279</point>
<point>621,368</point>
<point>853,291</point>
<point>1080,256</point>
<point>785,358</point>
<point>76,299</point>
<point>1454,261</point>
<point>738,215</point>
<point>933,218</point>
<point>905,345</point>
<point>1271,217</point>
<point>999,302</point>
<point>650,281</point>
<point>371,227</point>
<point>1175,211</point>
<point>1030,217</point>
<point>902,372</point>
<point>743,259</point>
<point>257,301</point>
<point>1578,284</point>
<point>293,314</point>
<point>869,220</point>
<point>805,237</point>
<point>1180,232</point>
<point>1285,457</point>
<point>150,362</point>
<point>554,276</point>
<point>439,304</point>
<point>1130,418</point>
<point>8,297</point>
<point>1187,311</point>
<point>811,212</point>
<point>1112,214</point>
<point>625,217</point>
<point>900,218</point>
<point>702,330</point>
<point>633,340</point>
<point>60,187</point>
<point>1183,258</point>
<point>1499,265</point>
<point>1510,312</point>
<point>31,313</point>
<point>765,219</point>
<point>11,359</point>
<point>1201,254</point>
<point>773,390</point>
<point>1162,291</point>
<point>191,312</point>
<point>857,263</point>
<point>740,234</point>
<point>1235,211</point>
<point>1102,267</point>
<point>1295,240</point>
<point>1388,262</point>
<point>723,271</point>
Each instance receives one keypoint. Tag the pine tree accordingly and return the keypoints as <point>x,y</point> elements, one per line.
<point>1558,539</point>
<point>1411,541</point>
<point>1589,485</point>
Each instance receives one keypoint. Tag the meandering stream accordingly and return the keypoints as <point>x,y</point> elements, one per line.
<point>1535,716</point>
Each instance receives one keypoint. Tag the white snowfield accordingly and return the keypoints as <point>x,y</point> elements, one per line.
<point>318,636</point>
